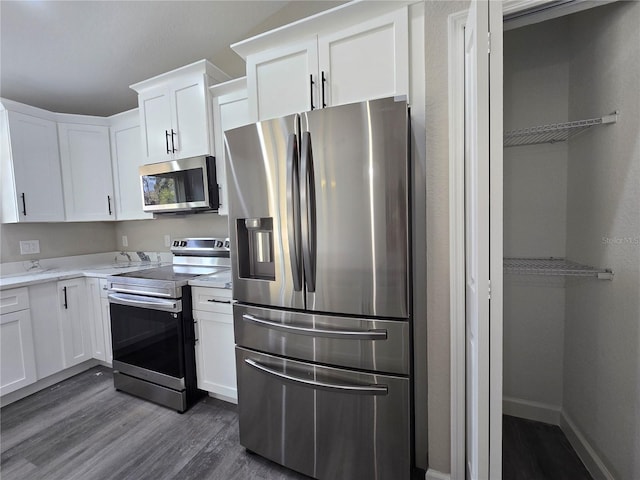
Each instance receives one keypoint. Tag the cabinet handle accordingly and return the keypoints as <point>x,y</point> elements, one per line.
<point>324,79</point>
<point>24,205</point>
<point>109,203</point>
<point>64,290</point>
<point>195,331</point>
<point>311,82</point>
<point>166,140</point>
<point>213,300</point>
<point>173,146</point>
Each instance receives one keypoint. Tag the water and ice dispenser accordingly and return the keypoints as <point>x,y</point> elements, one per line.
<point>255,248</point>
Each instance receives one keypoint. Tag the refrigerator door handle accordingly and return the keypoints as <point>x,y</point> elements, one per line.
<point>293,211</point>
<point>320,332</point>
<point>375,389</point>
<point>308,214</point>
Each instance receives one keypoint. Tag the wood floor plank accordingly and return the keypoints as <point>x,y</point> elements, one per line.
<point>538,451</point>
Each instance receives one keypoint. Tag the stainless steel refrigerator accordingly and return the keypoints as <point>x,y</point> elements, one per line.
<point>320,232</point>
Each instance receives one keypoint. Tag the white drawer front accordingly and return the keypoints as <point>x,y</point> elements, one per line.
<point>216,300</point>
<point>14,300</point>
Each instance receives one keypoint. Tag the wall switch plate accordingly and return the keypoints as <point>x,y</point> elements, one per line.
<point>29,247</point>
<point>125,241</point>
<point>167,240</point>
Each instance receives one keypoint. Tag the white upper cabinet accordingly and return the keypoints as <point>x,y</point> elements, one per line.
<point>30,163</point>
<point>85,156</point>
<point>230,110</point>
<point>282,80</point>
<point>175,112</point>
<point>126,157</point>
<point>348,54</point>
<point>369,60</point>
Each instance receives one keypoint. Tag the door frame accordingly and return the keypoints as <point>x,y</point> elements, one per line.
<point>519,13</point>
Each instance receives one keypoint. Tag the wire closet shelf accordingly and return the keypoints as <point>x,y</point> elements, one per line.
<point>554,132</point>
<point>554,266</point>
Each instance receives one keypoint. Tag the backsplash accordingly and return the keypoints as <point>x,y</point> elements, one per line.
<point>149,235</point>
<point>82,238</point>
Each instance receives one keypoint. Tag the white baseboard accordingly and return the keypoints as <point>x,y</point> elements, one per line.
<point>585,451</point>
<point>436,475</point>
<point>540,412</point>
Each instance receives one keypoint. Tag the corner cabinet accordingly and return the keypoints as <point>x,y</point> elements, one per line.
<point>334,66</point>
<point>85,157</point>
<point>100,325</point>
<point>175,112</point>
<point>230,110</point>
<point>215,343</point>
<point>30,163</point>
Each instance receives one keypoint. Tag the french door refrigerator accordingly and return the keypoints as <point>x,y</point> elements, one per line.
<point>319,225</point>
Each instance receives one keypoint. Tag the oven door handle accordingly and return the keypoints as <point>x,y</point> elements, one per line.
<point>145,302</point>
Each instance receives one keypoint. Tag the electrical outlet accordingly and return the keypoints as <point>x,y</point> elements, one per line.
<point>167,240</point>
<point>29,247</point>
<point>125,241</point>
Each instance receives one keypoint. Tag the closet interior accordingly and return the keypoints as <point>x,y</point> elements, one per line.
<point>571,350</point>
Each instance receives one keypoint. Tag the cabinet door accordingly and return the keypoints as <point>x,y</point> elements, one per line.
<point>215,356</point>
<point>17,360</point>
<point>106,327</point>
<point>36,170</point>
<point>73,315</point>
<point>155,122</point>
<point>85,155</point>
<point>369,60</point>
<point>126,157</point>
<point>96,328</point>
<point>279,81</point>
<point>229,111</point>
<point>47,335</point>
<point>191,115</point>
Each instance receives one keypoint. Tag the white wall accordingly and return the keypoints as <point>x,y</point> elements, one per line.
<point>602,335</point>
<point>536,84</point>
<point>437,183</point>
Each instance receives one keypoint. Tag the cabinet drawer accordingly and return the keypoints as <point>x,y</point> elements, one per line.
<point>14,300</point>
<point>103,288</point>
<point>216,300</point>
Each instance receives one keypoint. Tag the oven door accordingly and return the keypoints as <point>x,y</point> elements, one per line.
<point>148,338</point>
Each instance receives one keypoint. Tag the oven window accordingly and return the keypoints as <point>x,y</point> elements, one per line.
<point>149,339</point>
<point>170,188</point>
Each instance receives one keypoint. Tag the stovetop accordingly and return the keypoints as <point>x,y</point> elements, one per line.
<point>174,273</point>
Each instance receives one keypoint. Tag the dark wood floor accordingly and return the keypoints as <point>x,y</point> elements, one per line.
<point>83,429</point>
<point>538,451</point>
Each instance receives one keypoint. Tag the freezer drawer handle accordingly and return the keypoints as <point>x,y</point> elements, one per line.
<point>376,389</point>
<point>319,332</point>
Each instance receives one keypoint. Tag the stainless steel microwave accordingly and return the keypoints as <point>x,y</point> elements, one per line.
<point>188,185</point>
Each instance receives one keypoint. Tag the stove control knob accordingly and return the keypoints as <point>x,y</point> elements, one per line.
<point>176,243</point>
<point>183,243</point>
<point>226,243</point>
<point>218,244</point>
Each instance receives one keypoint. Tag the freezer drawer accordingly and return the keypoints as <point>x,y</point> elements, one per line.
<point>324,422</point>
<point>364,344</point>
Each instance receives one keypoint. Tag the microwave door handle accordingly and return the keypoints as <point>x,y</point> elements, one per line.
<point>308,214</point>
<point>293,211</point>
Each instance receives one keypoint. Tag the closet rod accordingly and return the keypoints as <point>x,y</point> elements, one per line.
<point>554,132</point>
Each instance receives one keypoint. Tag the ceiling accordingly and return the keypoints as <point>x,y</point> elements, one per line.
<point>81,56</point>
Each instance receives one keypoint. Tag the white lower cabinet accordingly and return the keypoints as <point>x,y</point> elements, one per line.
<point>73,314</point>
<point>100,319</point>
<point>215,347</point>
<point>47,335</point>
<point>17,359</point>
